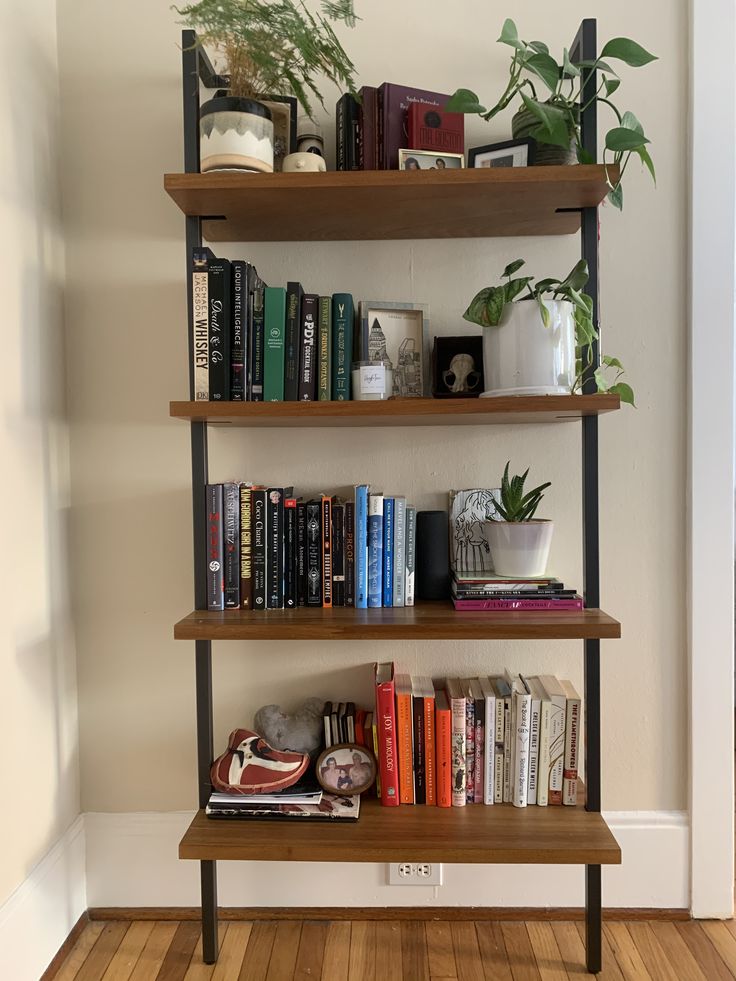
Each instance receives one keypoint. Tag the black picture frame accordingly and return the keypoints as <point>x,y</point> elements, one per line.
<point>293,104</point>
<point>445,348</point>
<point>499,148</point>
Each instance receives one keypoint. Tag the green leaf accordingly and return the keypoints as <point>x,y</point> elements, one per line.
<point>512,268</point>
<point>616,196</point>
<point>624,392</point>
<point>630,121</point>
<point>515,286</point>
<point>624,49</point>
<point>509,35</point>
<point>611,85</point>
<point>539,46</point>
<point>610,362</point>
<point>602,66</point>
<point>643,154</point>
<point>546,68</point>
<point>578,275</point>
<point>568,69</point>
<point>544,311</point>
<point>584,157</point>
<point>600,379</point>
<point>546,285</point>
<point>477,312</point>
<point>463,100</point>
<point>554,128</point>
<point>620,138</point>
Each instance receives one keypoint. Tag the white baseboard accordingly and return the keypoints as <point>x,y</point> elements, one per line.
<point>132,861</point>
<point>38,917</point>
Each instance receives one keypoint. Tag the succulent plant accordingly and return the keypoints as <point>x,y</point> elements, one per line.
<point>515,504</point>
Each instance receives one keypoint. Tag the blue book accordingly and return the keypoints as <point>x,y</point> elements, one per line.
<point>361,546</point>
<point>375,550</point>
<point>388,551</point>
<point>399,549</point>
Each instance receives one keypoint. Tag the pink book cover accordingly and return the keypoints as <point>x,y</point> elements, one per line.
<point>393,119</point>
<point>561,605</point>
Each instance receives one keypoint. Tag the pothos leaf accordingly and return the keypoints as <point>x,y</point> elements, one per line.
<point>512,268</point>
<point>624,392</point>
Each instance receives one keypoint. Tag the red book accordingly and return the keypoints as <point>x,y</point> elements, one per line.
<point>567,604</point>
<point>393,119</point>
<point>388,767</point>
<point>359,723</point>
<point>429,128</point>
<point>443,748</point>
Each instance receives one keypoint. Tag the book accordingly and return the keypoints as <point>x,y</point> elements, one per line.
<point>469,742</point>
<point>367,129</point>
<point>215,561</point>
<point>520,604</point>
<point>231,544</point>
<point>292,341</point>
<point>418,741</point>
<point>259,535</point>
<point>465,593</point>
<point>572,744</point>
<point>239,330</point>
<point>507,745</point>
<point>374,732</point>
<point>300,793</point>
<point>456,697</point>
<point>558,704</point>
<point>343,325</point>
<point>331,807</point>
<point>430,760</point>
<point>308,348</point>
<point>429,128</point>
<point>326,550</point>
<point>301,553</point>
<point>342,735</point>
<point>349,553</point>
<point>536,693</point>
<point>338,552</point>
<point>200,344</point>
<point>219,295</point>
<point>327,724</point>
<point>314,553</point>
<point>399,549</point>
<point>545,713</point>
<point>502,691</point>
<point>334,724</point>
<point>375,549</point>
<point>411,551</point>
<point>275,547</point>
<point>350,722</point>
<point>290,553</point>
<point>257,341</point>
<point>324,375</point>
<point>478,578</point>
<point>393,110</point>
<point>489,740</point>
<point>404,737</point>
<point>443,748</point>
<point>361,546</point>
<point>522,725</point>
<point>275,329</point>
<point>479,741</point>
<point>388,550</point>
<point>246,548</point>
<point>386,731</point>
<point>360,727</point>
<point>346,132</point>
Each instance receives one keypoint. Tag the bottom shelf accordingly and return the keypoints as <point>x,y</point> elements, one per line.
<point>475,834</point>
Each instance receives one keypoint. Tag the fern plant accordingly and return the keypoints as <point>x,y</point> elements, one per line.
<point>275,45</point>
<point>515,504</point>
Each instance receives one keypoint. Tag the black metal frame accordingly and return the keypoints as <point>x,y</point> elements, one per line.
<point>196,68</point>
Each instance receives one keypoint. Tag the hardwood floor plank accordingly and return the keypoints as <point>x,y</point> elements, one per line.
<point>285,949</point>
<point>178,956</point>
<point>722,940</point>
<point>493,951</point>
<point>258,951</point>
<point>468,962</point>
<point>98,959</point>
<point>415,963</point>
<point>126,956</point>
<point>310,957</point>
<point>362,965</point>
<point>336,961</point>
<point>232,951</point>
<point>440,951</point>
<point>519,951</point>
<point>571,948</point>
<point>677,951</point>
<point>198,970</point>
<point>152,957</point>
<point>610,970</point>
<point>654,957</point>
<point>547,954</point>
<point>389,960</point>
<point>706,956</point>
<point>626,954</point>
<point>71,965</point>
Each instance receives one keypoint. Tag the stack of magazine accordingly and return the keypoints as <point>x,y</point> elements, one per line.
<point>303,801</point>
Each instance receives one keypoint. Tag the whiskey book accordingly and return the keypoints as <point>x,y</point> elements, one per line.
<point>200,373</point>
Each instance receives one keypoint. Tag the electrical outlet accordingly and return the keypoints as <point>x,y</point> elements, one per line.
<point>415,874</point>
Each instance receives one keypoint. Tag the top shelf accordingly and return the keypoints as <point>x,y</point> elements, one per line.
<point>389,204</point>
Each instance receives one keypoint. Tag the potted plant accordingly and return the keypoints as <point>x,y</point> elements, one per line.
<point>518,541</point>
<point>552,116</point>
<point>266,46</point>
<point>542,347</point>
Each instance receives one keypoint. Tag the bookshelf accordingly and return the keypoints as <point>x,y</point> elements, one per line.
<point>394,205</point>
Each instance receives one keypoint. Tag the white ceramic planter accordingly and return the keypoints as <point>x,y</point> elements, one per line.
<point>520,548</point>
<point>235,134</point>
<point>523,357</point>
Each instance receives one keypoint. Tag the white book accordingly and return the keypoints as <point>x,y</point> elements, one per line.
<point>502,690</point>
<point>411,543</point>
<point>534,730</point>
<point>489,741</point>
<point>572,744</point>
<point>521,755</point>
<point>558,705</point>
<point>399,550</point>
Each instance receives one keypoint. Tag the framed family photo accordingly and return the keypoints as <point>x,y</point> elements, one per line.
<point>398,333</point>
<point>346,769</point>
<point>430,160</point>
<point>512,153</point>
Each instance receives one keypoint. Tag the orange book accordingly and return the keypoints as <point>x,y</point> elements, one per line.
<point>443,748</point>
<point>326,550</point>
<point>430,765</point>
<point>404,738</point>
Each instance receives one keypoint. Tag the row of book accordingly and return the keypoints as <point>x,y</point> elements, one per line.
<point>270,550</point>
<point>258,343</point>
<point>486,591</point>
<point>507,739</point>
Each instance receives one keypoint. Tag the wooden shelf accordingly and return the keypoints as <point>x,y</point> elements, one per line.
<point>427,621</point>
<point>389,204</point>
<point>474,834</point>
<point>399,412</point>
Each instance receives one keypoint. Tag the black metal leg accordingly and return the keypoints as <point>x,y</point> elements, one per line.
<point>593,923</point>
<point>208,879</point>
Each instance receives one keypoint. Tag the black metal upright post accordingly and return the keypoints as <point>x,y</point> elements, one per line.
<point>584,47</point>
<point>191,69</point>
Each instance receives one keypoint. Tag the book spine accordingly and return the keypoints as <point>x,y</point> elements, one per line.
<point>239,337</point>
<point>200,326</point>
<point>314,553</point>
<point>301,553</point>
<point>405,747</point>
<point>480,761</point>
<point>443,745</point>
<point>411,552</point>
<point>498,756</point>
<point>489,749</point>
<point>457,707</point>
<point>290,553</point>
<point>275,549</point>
<point>215,563</point>
<point>420,773</point>
<point>257,341</point>
<point>258,519</point>
<point>374,730</point>
<point>324,388</point>
<point>219,328</point>
<point>430,763</point>
<point>545,715</point>
<point>338,554</point>
<point>375,548</point>
<point>572,742</point>
<point>343,320</point>
<point>562,605</point>
<point>367,129</point>
<point>387,761</point>
<point>388,550</point>
<point>507,750</point>
<point>399,583</point>
<point>246,549</point>
<point>275,329</point>
<point>469,750</point>
<point>361,546</point>
<point>341,133</point>
<point>521,754</point>
<point>556,749</point>
<point>307,354</point>
<point>534,720</point>
<point>231,527</point>
<point>380,129</point>
<point>292,341</point>
<point>326,551</point>
<point>463,592</point>
<point>350,553</point>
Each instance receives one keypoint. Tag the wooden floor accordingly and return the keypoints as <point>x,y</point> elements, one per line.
<point>409,950</point>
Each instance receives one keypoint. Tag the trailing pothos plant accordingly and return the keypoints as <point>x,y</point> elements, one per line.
<point>562,96</point>
<point>487,308</point>
<point>515,504</point>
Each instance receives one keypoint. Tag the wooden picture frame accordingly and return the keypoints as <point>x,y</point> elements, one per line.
<point>399,333</point>
<point>346,769</point>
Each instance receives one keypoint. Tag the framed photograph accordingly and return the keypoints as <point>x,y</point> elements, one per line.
<point>346,769</point>
<point>430,160</point>
<point>398,333</point>
<point>283,112</point>
<point>457,367</point>
<point>512,153</point>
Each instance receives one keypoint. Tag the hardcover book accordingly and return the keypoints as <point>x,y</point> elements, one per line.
<point>361,546</point>
<point>275,328</point>
<point>349,553</point>
<point>314,553</point>
<point>301,553</point>
<point>246,548</point>
<point>478,741</point>
<point>399,582</point>
<point>231,544</point>
<point>292,341</point>
<point>429,128</point>
<point>239,333</point>
<point>275,547</point>
<point>308,351</point>
<point>346,124</point>
<point>200,378</point>
<point>393,119</point>
<point>469,743</point>
<point>417,709</point>
<point>375,550</point>
<point>411,551</point>
<point>257,343</point>
<point>385,721</point>
<point>259,535</point>
<point>430,764</point>
<point>219,295</point>
<point>324,387</point>
<point>536,692</point>
<point>338,552</point>
<point>558,704</point>
<point>388,551</point>
<point>443,749</point>
<point>489,744</point>
<point>368,129</point>
<point>456,698</point>
<point>572,744</point>
<point>290,553</point>
<point>343,325</point>
<point>215,564</point>
<point>404,738</point>
<point>326,551</point>
<point>522,724</point>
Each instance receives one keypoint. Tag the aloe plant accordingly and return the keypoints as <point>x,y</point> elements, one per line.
<point>515,504</point>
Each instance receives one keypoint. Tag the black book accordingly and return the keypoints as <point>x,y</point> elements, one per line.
<point>231,536</point>
<point>257,342</point>
<point>239,334</point>
<point>349,553</point>
<point>258,537</point>
<point>275,548</point>
<point>301,553</point>
<point>338,553</point>
<point>290,553</point>
<point>219,294</point>
<point>215,570</point>
<point>347,132</point>
<point>420,785</point>
<point>292,341</point>
<point>314,553</point>
<point>308,351</point>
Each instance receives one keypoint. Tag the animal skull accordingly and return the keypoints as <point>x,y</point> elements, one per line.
<point>457,377</point>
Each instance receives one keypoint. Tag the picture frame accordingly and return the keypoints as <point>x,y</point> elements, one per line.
<point>511,153</point>
<point>346,769</point>
<point>454,376</point>
<point>284,114</point>
<point>430,160</point>
<point>398,333</point>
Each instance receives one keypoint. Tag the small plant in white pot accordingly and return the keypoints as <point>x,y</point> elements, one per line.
<point>519,542</point>
<point>538,336</point>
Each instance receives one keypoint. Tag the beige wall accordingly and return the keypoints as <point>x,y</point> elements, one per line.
<point>38,721</point>
<point>121,107</point>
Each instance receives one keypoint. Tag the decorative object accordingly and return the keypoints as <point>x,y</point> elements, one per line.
<point>235,134</point>
<point>554,122</point>
<point>510,153</point>
<point>397,333</point>
<point>284,116</point>
<point>251,766</point>
<point>432,556</point>
<point>372,381</point>
<point>299,732</point>
<point>519,542</point>
<point>346,769</point>
<point>471,514</point>
<point>309,138</point>
<point>429,160</point>
<point>556,349</point>
<point>303,163</point>
<point>457,367</point>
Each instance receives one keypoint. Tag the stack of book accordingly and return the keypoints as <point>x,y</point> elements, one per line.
<point>343,723</point>
<point>506,739</point>
<point>305,801</point>
<point>486,591</point>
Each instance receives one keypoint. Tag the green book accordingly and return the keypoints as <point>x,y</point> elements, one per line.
<point>343,320</point>
<point>324,378</point>
<point>275,331</point>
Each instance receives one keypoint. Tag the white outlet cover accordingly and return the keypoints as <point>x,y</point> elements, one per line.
<point>415,874</point>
